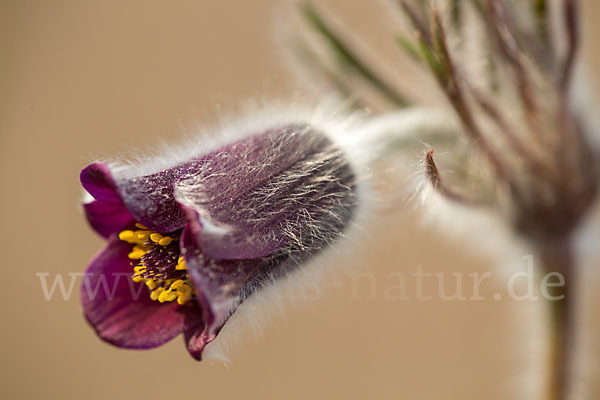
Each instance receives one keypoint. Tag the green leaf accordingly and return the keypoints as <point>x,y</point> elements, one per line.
<point>347,56</point>
<point>408,47</point>
<point>428,56</point>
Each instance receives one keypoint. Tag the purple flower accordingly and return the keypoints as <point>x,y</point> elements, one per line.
<point>186,245</point>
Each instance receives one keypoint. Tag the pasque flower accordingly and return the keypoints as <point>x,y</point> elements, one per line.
<point>188,243</point>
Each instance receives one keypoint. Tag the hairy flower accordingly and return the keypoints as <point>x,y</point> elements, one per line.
<point>187,244</point>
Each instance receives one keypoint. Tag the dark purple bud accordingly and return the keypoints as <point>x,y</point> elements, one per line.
<point>240,217</point>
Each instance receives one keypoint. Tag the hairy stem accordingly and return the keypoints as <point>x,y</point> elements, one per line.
<point>557,257</point>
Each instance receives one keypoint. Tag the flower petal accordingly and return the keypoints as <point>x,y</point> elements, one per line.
<point>258,196</point>
<point>147,199</point>
<point>221,285</point>
<point>150,198</point>
<point>195,337</point>
<point>97,179</point>
<point>107,218</point>
<point>107,214</point>
<point>120,310</point>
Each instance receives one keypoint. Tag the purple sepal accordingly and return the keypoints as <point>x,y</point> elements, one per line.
<point>146,199</point>
<point>254,196</point>
<point>250,211</point>
<point>107,213</point>
<point>97,180</point>
<point>150,198</point>
<point>121,310</point>
<point>221,285</point>
<point>107,218</point>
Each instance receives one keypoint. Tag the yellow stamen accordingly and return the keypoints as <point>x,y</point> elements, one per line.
<point>142,235</point>
<point>155,293</point>
<point>165,241</point>
<point>186,289</point>
<point>167,295</point>
<point>136,255</point>
<point>126,235</point>
<point>155,237</point>
<point>177,284</point>
<point>144,240</point>
<point>183,297</point>
<point>151,283</point>
<point>181,265</point>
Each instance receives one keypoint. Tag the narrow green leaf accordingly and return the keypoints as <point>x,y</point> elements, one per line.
<point>408,47</point>
<point>430,59</point>
<point>347,56</point>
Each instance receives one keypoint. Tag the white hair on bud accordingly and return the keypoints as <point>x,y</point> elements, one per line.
<point>308,281</point>
<point>253,117</point>
<point>305,282</point>
<point>362,142</point>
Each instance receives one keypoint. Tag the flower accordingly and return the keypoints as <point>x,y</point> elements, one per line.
<point>188,243</point>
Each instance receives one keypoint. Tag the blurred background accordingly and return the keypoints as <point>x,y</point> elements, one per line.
<point>79,79</point>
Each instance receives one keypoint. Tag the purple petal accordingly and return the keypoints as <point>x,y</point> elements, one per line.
<point>120,310</point>
<point>147,199</point>
<point>107,214</point>
<point>195,337</point>
<point>107,218</point>
<point>221,285</point>
<point>256,210</point>
<point>150,199</point>
<point>97,179</point>
<point>257,196</point>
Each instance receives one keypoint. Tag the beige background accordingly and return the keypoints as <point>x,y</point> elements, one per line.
<point>84,78</point>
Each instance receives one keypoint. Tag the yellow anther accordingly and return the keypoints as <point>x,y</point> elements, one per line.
<point>183,297</point>
<point>181,265</point>
<point>165,241</point>
<point>142,235</point>
<point>136,255</point>
<point>151,283</point>
<point>155,293</point>
<point>155,237</point>
<point>126,235</point>
<point>167,295</point>
<point>185,289</point>
<point>144,240</point>
<point>177,284</point>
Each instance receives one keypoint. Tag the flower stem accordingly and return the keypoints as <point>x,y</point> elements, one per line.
<point>558,257</point>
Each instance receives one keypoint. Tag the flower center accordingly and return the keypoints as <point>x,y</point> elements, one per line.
<point>157,262</point>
